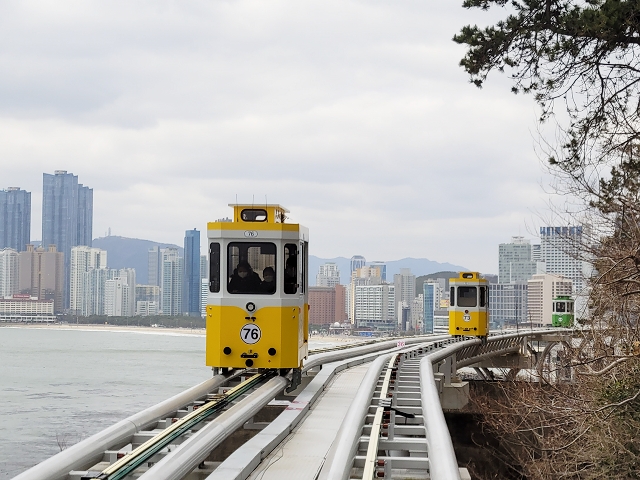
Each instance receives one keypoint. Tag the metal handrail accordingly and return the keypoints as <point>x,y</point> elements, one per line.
<point>329,357</point>
<point>340,457</point>
<point>343,449</point>
<point>442,458</point>
<point>374,436</point>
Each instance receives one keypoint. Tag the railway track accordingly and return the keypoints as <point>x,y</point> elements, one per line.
<point>148,447</point>
<point>178,438</point>
<point>384,433</point>
<point>176,427</point>
<point>392,443</point>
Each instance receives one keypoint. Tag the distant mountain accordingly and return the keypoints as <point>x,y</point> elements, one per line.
<point>433,276</point>
<point>123,252</point>
<point>418,266</point>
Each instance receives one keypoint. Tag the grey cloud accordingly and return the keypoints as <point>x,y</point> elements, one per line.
<point>353,114</point>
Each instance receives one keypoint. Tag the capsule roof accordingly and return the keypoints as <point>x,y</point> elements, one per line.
<point>268,213</point>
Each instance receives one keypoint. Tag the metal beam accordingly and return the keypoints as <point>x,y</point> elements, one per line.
<point>181,461</point>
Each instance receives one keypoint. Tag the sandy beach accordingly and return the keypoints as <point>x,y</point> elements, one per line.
<point>156,330</point>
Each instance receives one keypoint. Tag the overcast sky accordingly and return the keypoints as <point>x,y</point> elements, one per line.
<point>353,114</point>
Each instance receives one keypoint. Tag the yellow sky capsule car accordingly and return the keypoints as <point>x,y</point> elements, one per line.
<point>257,309</point>
<point>469,305</point>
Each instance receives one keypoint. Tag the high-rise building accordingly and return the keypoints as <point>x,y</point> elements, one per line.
<point>430,304</point>
<point>204,284</point>
<point>417,312</point>
<point>115,297</point>
<point>83,260</point>
<point>357,261</point>
<point>147,300</point>
<point>94,282</point>
<point>327,305</point>
<point>171,286</point>
<point>155,266</point>
<point>204,296</point>
<point>191,289</point>
<point>322,305</point>
<point>515,263</point>
<point>374,306</point>
<point>405,283</point>
<point>360,276</point>
<point>204,269</point>
<point>119,293</point>
<point>382,266</point>
<point>341,304</point>
<point>15,219</point>
<point>328,275</point>
<point>9,272</point>
<point>508,303</point>
<point>542,289</point>
<point>42,274</point>
<point>561,252</point>
<point>67,217</point>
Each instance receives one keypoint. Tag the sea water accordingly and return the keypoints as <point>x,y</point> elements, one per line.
<point>59,385</point>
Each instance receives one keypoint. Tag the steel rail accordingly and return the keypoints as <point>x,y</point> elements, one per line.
<point>368,342</point>
<point>343,450</point>
<point>374,437</point>
<point>90,451</point>
<point>141,454</point>
<point>181,461</point>
<point>341,455</point>
<point>329,357</point>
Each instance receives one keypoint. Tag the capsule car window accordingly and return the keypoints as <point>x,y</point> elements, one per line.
<point>251,268</point>
<point>467,296</point>
<point>291,268</point>
<point>254,215</point>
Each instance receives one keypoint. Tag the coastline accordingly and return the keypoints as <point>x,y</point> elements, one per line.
<point>198,332</point>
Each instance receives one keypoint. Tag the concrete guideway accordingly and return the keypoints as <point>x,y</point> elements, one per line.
<point>349,421</point>
<point>242,462</point>
<point>107,445</point>
<point>302,454</point>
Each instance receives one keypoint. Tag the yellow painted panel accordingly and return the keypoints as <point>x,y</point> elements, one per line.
<point>477,323</point>
<point>276,227</point>
<point>281,328</point>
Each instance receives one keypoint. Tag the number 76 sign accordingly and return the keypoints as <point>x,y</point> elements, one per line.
<point>250,333</point>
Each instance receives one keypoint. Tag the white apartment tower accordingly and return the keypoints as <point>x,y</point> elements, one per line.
<point>119,293</point>
<point>542,289</point>
<point>515,262</point>
<point>361,276</point>
<point>93,291</point>
<point>171,282</point>
<point>9,272</point>
<point>405,283</point>
<point>561,253</point>
<point>204,296</point>
<point>328,275</point>
<point>147,300</point>
<point>374,306</point>
<point>84,259</point>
